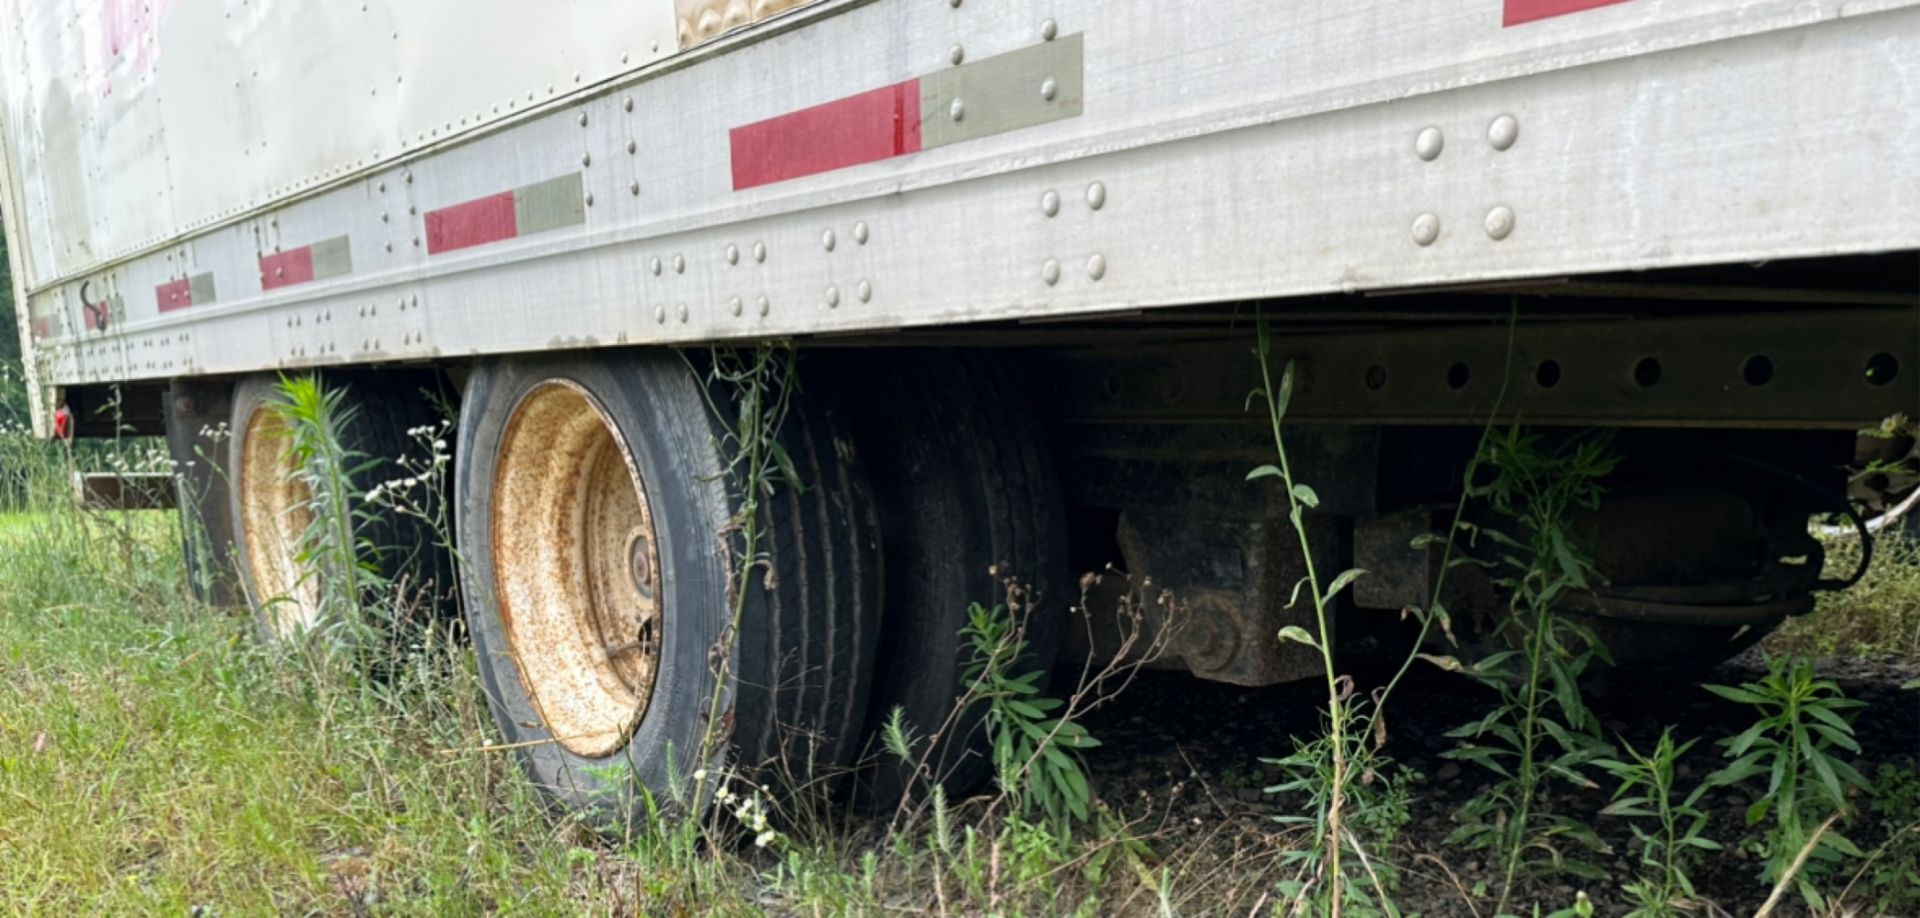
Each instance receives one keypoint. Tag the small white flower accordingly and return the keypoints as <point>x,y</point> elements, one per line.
<point>763,839</point>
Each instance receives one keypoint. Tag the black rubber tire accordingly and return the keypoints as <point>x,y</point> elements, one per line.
<point>797,691</point>
<point>968,495</point>
<point>379,409</point>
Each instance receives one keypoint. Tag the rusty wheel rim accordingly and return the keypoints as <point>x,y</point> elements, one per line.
<point>275,511</point>
<point>576,568</point>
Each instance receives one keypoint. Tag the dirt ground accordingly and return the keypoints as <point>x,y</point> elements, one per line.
<point>1182,761</point>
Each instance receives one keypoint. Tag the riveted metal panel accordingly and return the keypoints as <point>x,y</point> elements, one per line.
<point>1350,147</point>
<point>137,122</point>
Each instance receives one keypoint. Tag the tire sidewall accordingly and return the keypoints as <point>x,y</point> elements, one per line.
<point>252,394</point>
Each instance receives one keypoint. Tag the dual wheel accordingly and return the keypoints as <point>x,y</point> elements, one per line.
<point>626,636</point>
<point>277,522</point>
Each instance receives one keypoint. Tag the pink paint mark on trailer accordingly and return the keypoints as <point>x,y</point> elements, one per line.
<point>175,294</point>
<point>476,222</point>
<point>869,127</point>
<point>1520,12</point>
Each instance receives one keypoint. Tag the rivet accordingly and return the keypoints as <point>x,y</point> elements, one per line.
<point>1050,272</point>
<point>655,267</point>
<point>586,159</point>
<point>628,104</point>
<point>833,296</point>
<point>958,110</point>
<point>864,291</point>
<point>760,251</point>
<point>954,3</point>
<point>1096,195</point>
<point>733,258</point>
<point>735,305</point>
<point>589,199</point>
<point>634,189</point>
<point>1048,30</point>
<point>956,54</point>
<point>1503,132</point>
<point>1049,89</point>
<point>1050,203</point>
<point>1097,267</point>
<point>632,147</point>
<point>679,264</point>
<point>1428,143</point>
<point>1426,228</point>
<point>765,305</point>
<point>682,310</point>
<point>860,232</point>
<point>660,314</point>
<point>583,119</point>
<point>827,241</point>
<point>1500,222</point>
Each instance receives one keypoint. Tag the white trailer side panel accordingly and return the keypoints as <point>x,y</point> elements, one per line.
<point>140,121</point>
<point>913,163</point>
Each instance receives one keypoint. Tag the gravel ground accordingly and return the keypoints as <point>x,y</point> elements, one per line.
<point>1182,762</point>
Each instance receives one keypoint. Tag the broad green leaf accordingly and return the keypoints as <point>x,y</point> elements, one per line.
<point>1299,635</point>
<point>1340,582</point>
<point>1305,495</point>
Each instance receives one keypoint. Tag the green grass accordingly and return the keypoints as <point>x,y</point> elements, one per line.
<point>13,524</point>
<point>1878,617</point>
<point>153,758</point>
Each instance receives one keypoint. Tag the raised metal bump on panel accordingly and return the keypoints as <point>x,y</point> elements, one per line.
<point>1503,132</point>
<point>1428,143</point>
<point>1500,222</point>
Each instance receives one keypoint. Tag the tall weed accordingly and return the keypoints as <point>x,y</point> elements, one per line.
<point>1796,746</point>
<point>1541,733</point>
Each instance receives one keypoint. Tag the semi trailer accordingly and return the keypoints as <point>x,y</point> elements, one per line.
<point>1018,247</point>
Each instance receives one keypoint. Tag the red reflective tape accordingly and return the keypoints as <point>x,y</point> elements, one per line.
<point>42,326</point>
<point>176,294</point>
<point>284,269</point>
<point>1524,11</point>
<point>872,126</point>
<point>477,222</point>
